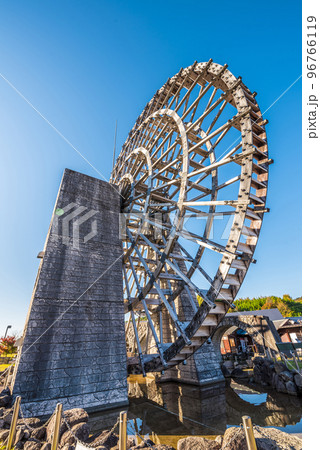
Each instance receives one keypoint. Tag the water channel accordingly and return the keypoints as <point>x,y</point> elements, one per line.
<point>166,412</point>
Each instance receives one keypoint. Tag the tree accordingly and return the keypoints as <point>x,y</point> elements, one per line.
<point>7,345</point>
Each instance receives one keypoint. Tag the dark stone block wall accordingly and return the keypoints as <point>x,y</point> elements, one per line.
<point>74,347</point>
<point>203,367</point>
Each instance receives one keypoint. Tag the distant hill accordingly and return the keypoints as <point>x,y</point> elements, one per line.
<point>288,306</point>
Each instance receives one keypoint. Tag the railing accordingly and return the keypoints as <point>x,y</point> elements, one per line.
<point>58,418</point>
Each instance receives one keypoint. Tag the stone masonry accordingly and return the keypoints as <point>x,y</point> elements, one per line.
<point>74,348</point>
<point>204,367</point>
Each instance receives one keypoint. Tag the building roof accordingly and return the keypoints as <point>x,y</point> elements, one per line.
<point>278,323</point>
<point>273,314</point>
<point>288,322</point>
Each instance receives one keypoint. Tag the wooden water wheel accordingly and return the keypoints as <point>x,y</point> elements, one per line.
<point>193,174</point>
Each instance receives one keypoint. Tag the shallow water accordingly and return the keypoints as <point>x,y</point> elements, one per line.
<point>168,411</point>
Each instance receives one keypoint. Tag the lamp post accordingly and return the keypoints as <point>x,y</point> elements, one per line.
<point>9,326</point>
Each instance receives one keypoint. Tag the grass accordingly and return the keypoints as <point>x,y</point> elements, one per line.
<point>291,364</point>
<point>2,368</point>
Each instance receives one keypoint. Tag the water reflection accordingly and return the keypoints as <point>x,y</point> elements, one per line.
<point>168,411</point>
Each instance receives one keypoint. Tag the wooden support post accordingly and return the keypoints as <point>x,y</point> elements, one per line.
<point>7,378</point>
<point>123,431</point>
<point>56,431</point>
<point>247,425</point>
<point>12,432</point>
<point>294,355</point>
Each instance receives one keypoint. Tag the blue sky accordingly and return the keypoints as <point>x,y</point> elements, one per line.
<point>85,64</point>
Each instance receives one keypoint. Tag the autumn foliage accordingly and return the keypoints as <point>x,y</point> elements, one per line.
<point>7,345</point>
<point>286,305</point>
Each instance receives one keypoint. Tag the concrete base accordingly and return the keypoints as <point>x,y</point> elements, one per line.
<point>74,348</point>
<point>203,368</point>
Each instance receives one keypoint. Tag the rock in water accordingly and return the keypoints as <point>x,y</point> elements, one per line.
<point>291,388</point>
<point>197,443</point>
<point>238,373</point>
<point>286,375</point>
<point>298,380</point>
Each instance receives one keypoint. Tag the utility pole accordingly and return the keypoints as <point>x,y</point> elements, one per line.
<point>5,334</point>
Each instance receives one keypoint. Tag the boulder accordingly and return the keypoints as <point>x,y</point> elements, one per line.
<point>238,373</point>
<point>197,443</point>
<point>32,445</point>
<point>3,435</point>
<point>291,388</point>
<point>46,446</point>
<point>280,385</point>
<point>2,410</point>
<point>19,436</point>
<point>147,444</point>
<point>1,424</point>
<point>7,417</point>
<point>286,375</point>
<point>6,401</point>
<point>162,447</point>
<point>73,417</point>
<point>5,391</point>
<point>234,439</point>
<point>39,433</point>
<point>266,439</point>
<point>32,422</point>
<point>298,380</point>
<point>131,442</point>
<point>103,439</point>
<point>279,367</point>
<point>27,435</point>
<point>219,439</point>
<point>80,430</point>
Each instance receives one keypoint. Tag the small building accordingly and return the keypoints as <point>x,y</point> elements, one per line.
<point>238,341</point>
<point>289,329</point>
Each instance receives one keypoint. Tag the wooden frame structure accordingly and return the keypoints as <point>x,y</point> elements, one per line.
<point>196,155</point>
